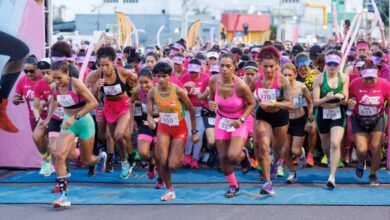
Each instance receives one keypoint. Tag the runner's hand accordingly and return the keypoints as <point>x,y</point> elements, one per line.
<point>236,124</point>
<point>152,124</point>
<point>213,106</point>
<point>351,103</point>
<point>44,123</point>
<point>69,122</point>
<point>100,82</point>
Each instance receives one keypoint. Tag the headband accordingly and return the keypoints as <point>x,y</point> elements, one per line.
<point>178,60</point>
<point>302,61</point>
<point>369,73</point>
<point>362,45</point>
<point>178,46</point>
<point>56,59</point>
<point>333,58</point>
<point>193,68</point>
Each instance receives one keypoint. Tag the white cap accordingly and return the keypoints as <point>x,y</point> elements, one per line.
<point>212,54</point>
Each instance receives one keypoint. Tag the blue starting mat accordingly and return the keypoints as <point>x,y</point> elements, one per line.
<point>285,195</point>
<point>309,175</point>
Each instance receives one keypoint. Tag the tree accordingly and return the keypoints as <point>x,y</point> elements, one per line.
<point>383,7</point>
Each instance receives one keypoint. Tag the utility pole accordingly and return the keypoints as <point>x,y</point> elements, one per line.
<point>186,7</point>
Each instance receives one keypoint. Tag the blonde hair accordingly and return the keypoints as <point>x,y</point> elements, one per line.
<point>291,67</point>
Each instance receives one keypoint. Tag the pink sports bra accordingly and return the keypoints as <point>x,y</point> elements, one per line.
<point>70,100</point>
<point>275,86</point>
<point>232,107</point>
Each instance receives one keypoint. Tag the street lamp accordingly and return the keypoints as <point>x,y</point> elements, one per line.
<point>97,8</point>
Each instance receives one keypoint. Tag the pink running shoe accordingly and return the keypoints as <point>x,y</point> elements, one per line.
<point>195,164</point>
<point>187,161</point>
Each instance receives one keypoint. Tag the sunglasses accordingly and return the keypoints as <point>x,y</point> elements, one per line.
<point>332,64</point>
<point>29,71</point>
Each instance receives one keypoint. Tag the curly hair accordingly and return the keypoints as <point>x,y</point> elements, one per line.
<point>269,53</point>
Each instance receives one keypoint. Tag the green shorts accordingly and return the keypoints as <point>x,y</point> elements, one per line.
<point>84,128</point>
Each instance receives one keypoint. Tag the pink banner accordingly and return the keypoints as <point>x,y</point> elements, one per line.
<point>18,150</point>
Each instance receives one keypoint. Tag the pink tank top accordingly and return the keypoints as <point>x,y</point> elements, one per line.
<point>232,107</point>
<point>273,93</point>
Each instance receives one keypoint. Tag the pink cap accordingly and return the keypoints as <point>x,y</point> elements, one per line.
<point>332,58</point>
<point>178,60</point>
<point>55,59</point>
<point>80,59</point>
<point>178,46</point>
<point>193,68</point>
<point>255,50</point>
<point>369,73</point>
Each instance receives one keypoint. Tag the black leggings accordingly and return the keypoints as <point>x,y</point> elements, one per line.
<point>16,50</point>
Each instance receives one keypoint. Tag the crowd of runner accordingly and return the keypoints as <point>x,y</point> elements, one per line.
<point>266,107</point>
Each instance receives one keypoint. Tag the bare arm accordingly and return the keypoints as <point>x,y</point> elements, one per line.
<point>188,105</point>
<point>246,94</point>
<point>307,95</point>
<point>287,103</point>
<point>151,122</point>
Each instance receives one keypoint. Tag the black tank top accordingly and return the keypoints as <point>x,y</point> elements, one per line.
<point>115,89</point>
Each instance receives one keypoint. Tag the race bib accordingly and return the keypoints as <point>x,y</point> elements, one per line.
<point>266,94</point>
<point>138,111</point>
<point>367,110</point>
<point>211,121</point>
<point>59,112</point>
<point>112,90</point>
<point>170,119</point>
<point>224,124</point>
<point>334,113</point>
<point>65,100</point>
<point>195,91</point>
<point>298,102</point>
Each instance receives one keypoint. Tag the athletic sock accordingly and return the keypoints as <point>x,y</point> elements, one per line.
<point>231,178</point>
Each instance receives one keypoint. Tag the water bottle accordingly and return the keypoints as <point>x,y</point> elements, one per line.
<point>350,110</point>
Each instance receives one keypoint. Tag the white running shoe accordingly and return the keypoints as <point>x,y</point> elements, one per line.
<point>168,196</point>
<point>63,201</point>
<point>302,160</point>
<point>101,165</point>
<point>292,178</point>
<point>126,170</point>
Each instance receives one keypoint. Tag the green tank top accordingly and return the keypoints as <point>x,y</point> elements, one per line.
<point>325,88</point>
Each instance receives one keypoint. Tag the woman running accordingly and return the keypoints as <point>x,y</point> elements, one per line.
<point>367,97</point>
<point>233,102</point>
<point>273,94</point>
<point>77,101</point>
<point>172,130</point>
<point>299,122</point>
<point>330,94</point>
<point>112,83</point>
<point>146,136</point>
<point>193,81</point>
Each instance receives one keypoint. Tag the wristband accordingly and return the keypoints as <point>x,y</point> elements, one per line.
<point>273,103</point>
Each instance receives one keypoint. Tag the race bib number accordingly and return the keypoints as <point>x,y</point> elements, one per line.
<point>333,114</point>
<point>65,100</point>
<point>138,111</point>
<point>59,112</point>
<point>266,94</point>
<point>112,90</point>
<point>298,102</point>
<point>211,121</point>
<point>170,119</point>
<point>224,124</point>
<point>195,91</point>
<point>367,110</point>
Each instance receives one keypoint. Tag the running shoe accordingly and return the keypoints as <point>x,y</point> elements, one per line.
<point>101,166</point>
<point>168,196</point>
<point>359,170</point>
<point>310,159</point>
<point>331,184</point>
<point>212,158</point>
<point>266,189</point>
<point>232,192</point>
<point>144,164</point>
<point>152,171</point>
<point>109,166</point>
<point>373,180</point>
<point>91,170</point>
<point>46,168</point>
<point>187,161</point>
<point>340,164</point>
<point>292,178</point>
<point>280,170</point>
<point>63,201</point>
<point>245,163</point>
<point>324,160</point>
<point>274,171</point>
<point>126,170</point>
<point>302,160</point>
<point>195,164</point>
<point>160,184</point>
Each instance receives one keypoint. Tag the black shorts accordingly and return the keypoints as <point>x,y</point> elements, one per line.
<point>356,128</point>
<point>54,125</point>
<point>145,130</point>
<point>324,125</point>
<point>296,127</point>
<point>275,119</point>
<point>208,117</point>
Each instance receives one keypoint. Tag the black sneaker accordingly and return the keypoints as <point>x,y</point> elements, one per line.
<point>373,180</point>
<point>330,185</point>
<point>359,169</point>
<point>109,167</point>
<point>144,164</point>
<point>232,192</point>
<point>245,163</point>
<point>91,171</point>
<point>212,158</point>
